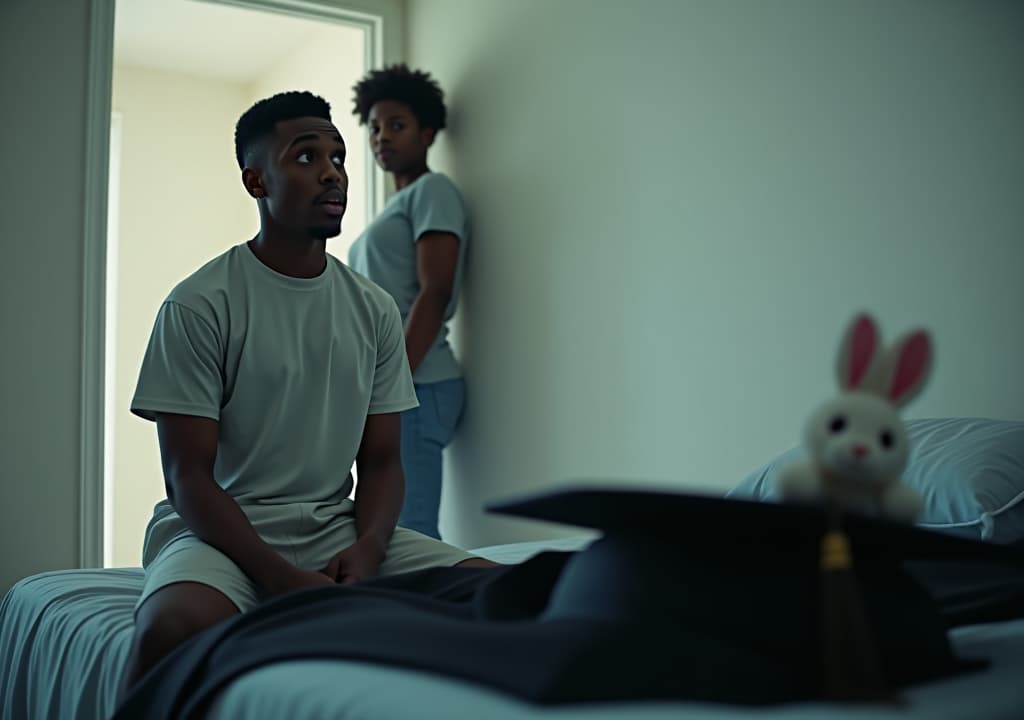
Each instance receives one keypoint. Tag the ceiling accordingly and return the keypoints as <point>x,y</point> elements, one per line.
<point>204,38</point>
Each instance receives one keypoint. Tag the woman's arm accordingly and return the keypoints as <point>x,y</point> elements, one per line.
<point>437,256</point>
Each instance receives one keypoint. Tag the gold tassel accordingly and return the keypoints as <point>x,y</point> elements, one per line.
<point>851,665</point>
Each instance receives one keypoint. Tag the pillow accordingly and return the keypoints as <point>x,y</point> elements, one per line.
<point>969,471</point>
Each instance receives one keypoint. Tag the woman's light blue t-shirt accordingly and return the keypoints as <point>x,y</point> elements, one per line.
<point>386,254</point>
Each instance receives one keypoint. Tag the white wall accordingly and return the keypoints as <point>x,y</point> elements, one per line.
<point>182,203</point>
<point>41,293</point>
<point>679,204</point>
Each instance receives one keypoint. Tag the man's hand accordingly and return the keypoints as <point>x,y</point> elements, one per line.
<point>359,561</point>
<point>299,580</point>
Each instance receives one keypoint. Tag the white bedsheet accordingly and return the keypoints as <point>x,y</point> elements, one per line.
<point>64,638</point>
<point>350,690</point>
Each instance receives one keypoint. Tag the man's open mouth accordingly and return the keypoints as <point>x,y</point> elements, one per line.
<point>333,202</point>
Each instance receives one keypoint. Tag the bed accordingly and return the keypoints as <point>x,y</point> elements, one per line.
<point>64,635</point>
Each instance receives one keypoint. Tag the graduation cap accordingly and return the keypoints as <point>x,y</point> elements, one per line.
<point>776,602</point>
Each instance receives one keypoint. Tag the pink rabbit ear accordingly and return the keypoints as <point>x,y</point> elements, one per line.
<point>912,359</point>
<point>857,351</point>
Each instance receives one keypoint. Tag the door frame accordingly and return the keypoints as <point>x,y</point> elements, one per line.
<point>366,15</point>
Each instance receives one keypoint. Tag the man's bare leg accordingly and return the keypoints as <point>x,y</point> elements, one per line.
<point>167,618</point>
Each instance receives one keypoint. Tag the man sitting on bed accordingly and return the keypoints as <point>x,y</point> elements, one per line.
<point>268,371</point>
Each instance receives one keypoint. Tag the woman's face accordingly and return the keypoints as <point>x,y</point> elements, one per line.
<point>396,138</point>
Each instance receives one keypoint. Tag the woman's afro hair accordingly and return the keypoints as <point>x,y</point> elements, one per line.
<point>397,82</point>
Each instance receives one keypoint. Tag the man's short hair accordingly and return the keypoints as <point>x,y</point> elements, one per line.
<point>258,121</point>
<point>416,89</point>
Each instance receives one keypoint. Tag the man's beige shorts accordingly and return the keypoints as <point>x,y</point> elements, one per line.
<point>307,535</point>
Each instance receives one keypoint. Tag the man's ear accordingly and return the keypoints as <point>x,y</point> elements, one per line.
<point>253,182</point>
<point>427,136</point>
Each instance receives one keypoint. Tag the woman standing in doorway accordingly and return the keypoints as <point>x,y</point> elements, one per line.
<point>415,249</point>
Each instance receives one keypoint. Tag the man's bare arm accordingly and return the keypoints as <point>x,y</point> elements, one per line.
<point>381,486</point>
<point>379,497</point>
<point>188,448</point>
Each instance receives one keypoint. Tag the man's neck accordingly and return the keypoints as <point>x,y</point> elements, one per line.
<point>296,257</point>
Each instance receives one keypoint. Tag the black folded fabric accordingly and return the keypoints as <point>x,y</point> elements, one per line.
<point>684,597</point>
<point>971,593</point>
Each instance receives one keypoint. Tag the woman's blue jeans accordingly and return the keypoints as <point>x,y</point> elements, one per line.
<point>426,431</point>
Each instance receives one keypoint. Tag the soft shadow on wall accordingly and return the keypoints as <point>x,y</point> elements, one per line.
<point>694,199</point>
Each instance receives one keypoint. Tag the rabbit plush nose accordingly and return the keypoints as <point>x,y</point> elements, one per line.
<point>859,451</point>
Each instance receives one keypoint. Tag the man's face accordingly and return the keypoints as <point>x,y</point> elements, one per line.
<point>303,179</point>
<point>396,138</point>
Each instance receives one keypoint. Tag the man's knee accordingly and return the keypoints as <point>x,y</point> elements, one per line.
<point>173,615</point>
<point>160,633</point>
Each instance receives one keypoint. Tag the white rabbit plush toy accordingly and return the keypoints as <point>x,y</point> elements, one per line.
<point>856,443</point>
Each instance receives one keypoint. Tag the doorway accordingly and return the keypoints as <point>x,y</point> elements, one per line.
<point>183,72</point>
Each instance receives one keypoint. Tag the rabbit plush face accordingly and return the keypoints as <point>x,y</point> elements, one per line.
<point>859,437</point>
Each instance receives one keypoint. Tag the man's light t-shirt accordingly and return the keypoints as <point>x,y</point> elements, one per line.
<point>289,367</point>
